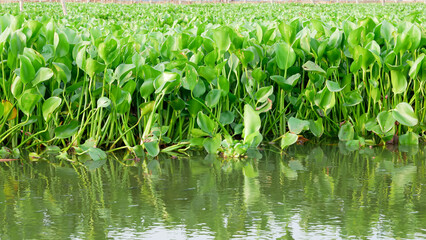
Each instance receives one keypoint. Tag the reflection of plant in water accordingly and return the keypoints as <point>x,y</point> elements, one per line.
<point>341,192</point>
<point>365,187</point>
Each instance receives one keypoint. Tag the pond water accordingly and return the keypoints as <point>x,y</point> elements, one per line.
<point>321,192</point>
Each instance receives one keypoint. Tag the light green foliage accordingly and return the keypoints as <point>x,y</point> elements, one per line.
<point>209,75</point>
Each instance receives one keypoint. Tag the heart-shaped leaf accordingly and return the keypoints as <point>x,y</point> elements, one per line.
<point>49,106</point>
<point>205,123</point>
<point>226,118</point>
<point>28,101</point>
<point>212,144</point>
<point>43,74</point>
<point>263,93</point>
<point>352,98</point>
<point>404,114</point>
<point>213,97</point>
<point>288,139</point>
<point>252,122</point>
<point>409,138</point>
<point>334,86</point>
<point>27,71</point>
<point>285,55</point>
<point>399,81</point>
<point>313,67</point>
<point>68,130</point>
<point>386,121</point>
<point>286,84</point>
<point>316,127</point>
<point>152,148</point>
<point>297,126</point>
<point>103,102</point>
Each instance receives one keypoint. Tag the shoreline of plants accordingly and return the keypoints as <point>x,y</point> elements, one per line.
<point>169,82</point>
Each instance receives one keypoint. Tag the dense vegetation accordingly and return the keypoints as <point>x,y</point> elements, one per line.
<point>222,77</point>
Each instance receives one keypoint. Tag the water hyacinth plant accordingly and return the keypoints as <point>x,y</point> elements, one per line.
<point>164,80</point>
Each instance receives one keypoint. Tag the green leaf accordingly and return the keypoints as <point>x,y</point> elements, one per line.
<point>288,139</point>
<point>139,152</point>
<point>334,86</point>
<point>122,70</point>
<point>354,37</point>
<point>417,65</point>
<point>259,75</point>
<point>49,106</point>
<point>152,148</point>
<point>147,89</point>
<point>199,89</point>
<point>81,58</point>
<point>313,67</point>
<point>160,83</point>
<point>223,85</point>
<point>196,141</point>
<point>93,67</point>
<point>286,84</point>
<point>254,139</point>
<point>28,100</point>
<point>27,72</point>
<point>177,104</point>
<point>222,39</point>
<point>370,124</point>
<point>287,32</point>
<point>352,98</point>
<point>285,55</point>
<point>399,81</point>
<point>108,50</point>
<point>226,118</point>
<point>104,102</point>
<point>17,87</point>
<point>205,123</point>
<point>61,44</point>
<point>68,130</point>
<point>386,121</point>
<point>196,133</point>
<point>404,114</point>
<point>325,99</point>
<point>346,132</point>
<point>252,122</point>
<point>316,127</point>
<point>168,47</point>
<point>212,144</point>
<point>207,73</point>
<point>213,97</point>
<point>191,77</point>
<point>233,62</point>
<point>297,126</point>
<point>263,93</point>
<point>386,30</point>
<point>96,154</point>
<point>409,138</point>
<point>245,56</point>
<point>415,37</point>
<point>353,145</point>
<point>43,74</point>
<point>147,108</point>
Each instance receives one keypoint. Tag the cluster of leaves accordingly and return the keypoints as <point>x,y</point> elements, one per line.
<point>223,83</point>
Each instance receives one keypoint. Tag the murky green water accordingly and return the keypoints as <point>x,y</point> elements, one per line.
<point>312,192</point>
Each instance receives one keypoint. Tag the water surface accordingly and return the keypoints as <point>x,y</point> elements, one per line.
<point>321,192</point>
